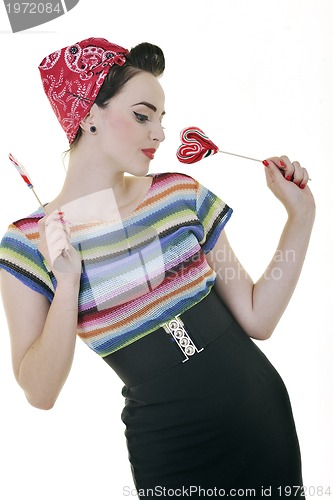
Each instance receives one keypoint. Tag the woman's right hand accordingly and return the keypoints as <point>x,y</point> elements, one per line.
<point>56,248</point>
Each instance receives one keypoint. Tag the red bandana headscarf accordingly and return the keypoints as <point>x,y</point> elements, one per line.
<point>73,76</point>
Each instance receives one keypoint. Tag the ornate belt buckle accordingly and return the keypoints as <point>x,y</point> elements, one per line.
<point>176,328</point>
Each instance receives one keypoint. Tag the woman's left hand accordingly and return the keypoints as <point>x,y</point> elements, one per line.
<point>288,181</point>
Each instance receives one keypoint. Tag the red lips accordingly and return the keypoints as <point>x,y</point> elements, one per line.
<point>149,152</point>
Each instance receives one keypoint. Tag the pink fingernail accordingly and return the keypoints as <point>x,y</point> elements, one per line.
<point>282,164</point>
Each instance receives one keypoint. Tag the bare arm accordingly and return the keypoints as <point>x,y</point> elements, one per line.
<point>42,335</point>
<point>259,306</point>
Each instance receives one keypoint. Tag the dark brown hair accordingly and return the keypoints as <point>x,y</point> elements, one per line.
<point>142,57</point>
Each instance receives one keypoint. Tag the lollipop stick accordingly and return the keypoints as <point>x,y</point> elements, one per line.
<point>40,203</point>
<point>240,156</point>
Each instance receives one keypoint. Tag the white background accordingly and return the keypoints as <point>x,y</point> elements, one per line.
<point>256,76</point>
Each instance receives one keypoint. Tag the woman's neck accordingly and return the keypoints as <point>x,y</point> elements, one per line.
<point>89,182</point>
<point>96,190</point>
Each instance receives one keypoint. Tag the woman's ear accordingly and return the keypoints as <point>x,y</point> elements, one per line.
<point>88,120</point>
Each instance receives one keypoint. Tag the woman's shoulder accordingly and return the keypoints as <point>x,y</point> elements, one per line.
<point>174,178</point>
<point>27,225</point>
<point>175,174</point>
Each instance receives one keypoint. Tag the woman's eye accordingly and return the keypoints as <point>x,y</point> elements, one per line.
<point>141,118</point>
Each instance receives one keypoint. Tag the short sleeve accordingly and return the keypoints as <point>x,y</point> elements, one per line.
<point>213,215</point>
<point>19,256</point>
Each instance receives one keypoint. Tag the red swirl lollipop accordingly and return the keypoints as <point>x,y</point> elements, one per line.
<point>24,174</point>
<point>196,145</point>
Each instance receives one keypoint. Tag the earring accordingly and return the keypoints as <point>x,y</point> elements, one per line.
<point>93,129</point>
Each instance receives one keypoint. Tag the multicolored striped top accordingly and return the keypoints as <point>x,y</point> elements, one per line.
<point>138,272</point>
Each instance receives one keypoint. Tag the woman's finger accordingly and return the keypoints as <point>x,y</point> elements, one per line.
<point>297,177</point>
<point>287,166</point>
<point>305,179</point>
<point>283,164</point>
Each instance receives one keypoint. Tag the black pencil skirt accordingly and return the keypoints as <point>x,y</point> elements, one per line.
<point>209,423</point>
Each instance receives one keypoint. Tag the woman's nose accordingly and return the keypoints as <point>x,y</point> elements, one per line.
<point>157,133</point>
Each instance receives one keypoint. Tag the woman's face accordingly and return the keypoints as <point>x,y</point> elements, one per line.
<point>129,129</point>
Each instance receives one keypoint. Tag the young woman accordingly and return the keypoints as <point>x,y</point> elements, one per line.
<point>137,265</point>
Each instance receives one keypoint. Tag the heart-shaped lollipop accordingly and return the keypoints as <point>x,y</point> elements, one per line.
<point>196,145</point>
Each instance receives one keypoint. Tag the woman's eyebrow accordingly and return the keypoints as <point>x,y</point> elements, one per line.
<point>149,105</point>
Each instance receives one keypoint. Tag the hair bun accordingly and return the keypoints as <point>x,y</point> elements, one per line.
<point>147,57</point>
